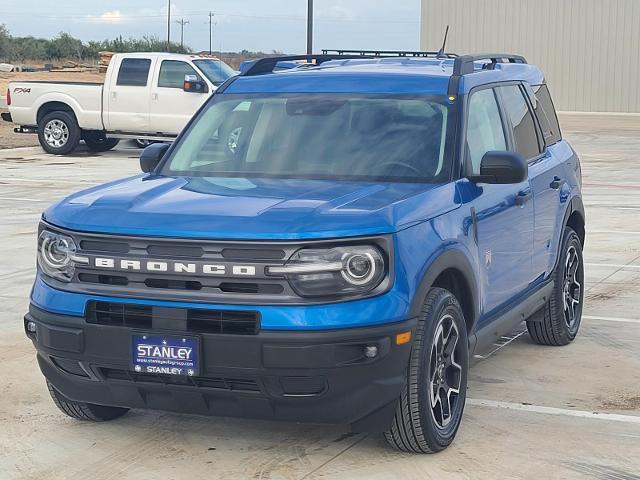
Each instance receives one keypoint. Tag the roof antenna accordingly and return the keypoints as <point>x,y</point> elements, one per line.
<point>441,53</point>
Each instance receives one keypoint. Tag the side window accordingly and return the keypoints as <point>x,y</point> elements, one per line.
<point>484,127</point>
<point>172,73</point>
<point>546,113</point>
<point>134,72</point>
<point>524,127</point>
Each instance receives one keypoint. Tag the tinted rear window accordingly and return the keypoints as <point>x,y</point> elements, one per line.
<point>134,72</point>
<point>524,128</point>
<point>546,114</point>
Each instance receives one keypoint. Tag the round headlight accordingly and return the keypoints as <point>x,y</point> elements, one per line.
<point>57,255</point>
<point>56,252</point>
<point>359,268</point>
<point>340,271</point>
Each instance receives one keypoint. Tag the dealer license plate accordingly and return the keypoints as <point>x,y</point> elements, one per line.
<point>167,355</point>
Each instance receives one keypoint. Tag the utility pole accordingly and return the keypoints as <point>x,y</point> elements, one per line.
<point>169,27</point>
<point>182,22</point>
<point>211,15</point>
<point>309,27</point>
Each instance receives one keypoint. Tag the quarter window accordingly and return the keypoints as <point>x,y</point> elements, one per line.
<point>484,127</point>
<point>524,127</point>
<point>546,113</point>
<point>134,72</point>
<point>172,73</point>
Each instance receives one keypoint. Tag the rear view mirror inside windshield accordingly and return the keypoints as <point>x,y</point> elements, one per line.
<point>313,106</point>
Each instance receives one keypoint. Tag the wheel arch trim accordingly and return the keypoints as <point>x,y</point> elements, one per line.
<point>452,258</point>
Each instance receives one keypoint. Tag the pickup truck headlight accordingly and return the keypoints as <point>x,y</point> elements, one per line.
<point>338,271</point>
<point>57,255</point>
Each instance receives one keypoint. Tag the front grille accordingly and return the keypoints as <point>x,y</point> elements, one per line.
<point>191,282</point>
<point>236,322</point>
<point>217,383</point>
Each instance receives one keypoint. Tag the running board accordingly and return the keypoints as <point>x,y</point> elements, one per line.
<point>506,321</point>
<point>139,136</point>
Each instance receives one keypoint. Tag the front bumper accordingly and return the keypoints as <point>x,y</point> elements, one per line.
<point>304,376</point>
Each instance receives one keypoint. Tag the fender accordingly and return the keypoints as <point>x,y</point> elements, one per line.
<point>575,205</point>
<point>451,258</point>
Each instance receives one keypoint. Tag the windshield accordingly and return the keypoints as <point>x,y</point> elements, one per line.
<point>317,136</point>
<point>215,70</point>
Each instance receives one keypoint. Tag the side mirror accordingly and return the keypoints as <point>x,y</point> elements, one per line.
<point>151,156</point>
<point>500,167</point>
<point>193,84</point>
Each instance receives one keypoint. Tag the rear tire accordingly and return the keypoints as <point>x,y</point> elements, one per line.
<point>425,420</point>
<point>561,317</point>
<point>98,141</point>
<point>59,133</point>
<point>84,411</point>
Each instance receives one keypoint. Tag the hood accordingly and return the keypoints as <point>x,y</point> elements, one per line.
<point>243,208</point>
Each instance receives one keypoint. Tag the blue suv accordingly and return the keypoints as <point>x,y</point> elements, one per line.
<point>329,243</point>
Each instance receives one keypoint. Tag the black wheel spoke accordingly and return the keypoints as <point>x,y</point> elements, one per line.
<point>446,373</point>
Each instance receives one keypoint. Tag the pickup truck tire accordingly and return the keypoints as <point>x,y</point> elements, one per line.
<point>560,318</point>
<point>85,411</point>
<point>59,133</point>
<point>98,141</point>
<point>430,407</point>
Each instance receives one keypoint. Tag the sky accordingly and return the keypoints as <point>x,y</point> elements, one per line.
<point>264,25</point>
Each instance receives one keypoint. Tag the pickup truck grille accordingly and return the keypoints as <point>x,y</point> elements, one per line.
<point>181,270</point>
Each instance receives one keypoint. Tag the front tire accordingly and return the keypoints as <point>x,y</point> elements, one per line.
<point>430,407</point>
<point>561,317</point>
<point>84,411</point>
<point>59,133</point>
<point>98,141</point>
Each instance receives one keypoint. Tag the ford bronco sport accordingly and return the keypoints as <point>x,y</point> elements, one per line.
<point>330,243</point>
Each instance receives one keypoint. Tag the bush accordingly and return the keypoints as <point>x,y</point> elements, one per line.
<point>14,49</point>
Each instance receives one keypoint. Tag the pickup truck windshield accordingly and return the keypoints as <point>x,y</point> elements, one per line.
<point>317,136</point>
<point>215,70</point>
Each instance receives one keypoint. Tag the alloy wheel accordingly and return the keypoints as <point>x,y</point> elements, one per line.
<point>445,372</point>
<point>572,287</point>
<point>56,133</point>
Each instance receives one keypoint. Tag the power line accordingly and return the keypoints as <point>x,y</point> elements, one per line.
<point>182,22</point>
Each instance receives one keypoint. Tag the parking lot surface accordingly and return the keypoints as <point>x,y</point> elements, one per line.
<point>533,412</point>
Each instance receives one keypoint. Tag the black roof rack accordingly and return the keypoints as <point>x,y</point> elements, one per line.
<point>268,64</point>
<point>389,53</point>
<point>464,65</point>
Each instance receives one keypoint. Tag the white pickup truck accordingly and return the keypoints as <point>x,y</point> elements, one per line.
<point>147,96</point>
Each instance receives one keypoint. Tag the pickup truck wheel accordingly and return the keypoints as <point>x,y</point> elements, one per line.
<point>85,411</point>
<point>430,407</point>
<point>560,320</point>
<point>98,141</point>
<point>58,133</point>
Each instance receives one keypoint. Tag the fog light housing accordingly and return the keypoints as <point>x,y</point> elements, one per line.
<point>31,327</point>
<point>371,351</point>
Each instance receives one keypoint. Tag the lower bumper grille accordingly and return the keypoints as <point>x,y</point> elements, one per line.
<point>217,383</point>
<point>188,319</point>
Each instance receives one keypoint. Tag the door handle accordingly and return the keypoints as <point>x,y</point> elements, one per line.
<point>154,97</point>
<point>113,95</point>
<point>523,197</point>
<point>556,183</point>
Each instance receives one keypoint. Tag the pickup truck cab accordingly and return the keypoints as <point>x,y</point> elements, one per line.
<point>144,96</point>
<point>328,243</point>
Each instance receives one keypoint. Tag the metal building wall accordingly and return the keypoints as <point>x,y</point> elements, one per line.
<point>588,49</point>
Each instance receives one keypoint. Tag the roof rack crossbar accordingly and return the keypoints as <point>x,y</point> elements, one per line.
<point>389,53</point>
<point>465,63</point>
<point>268,64</point>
